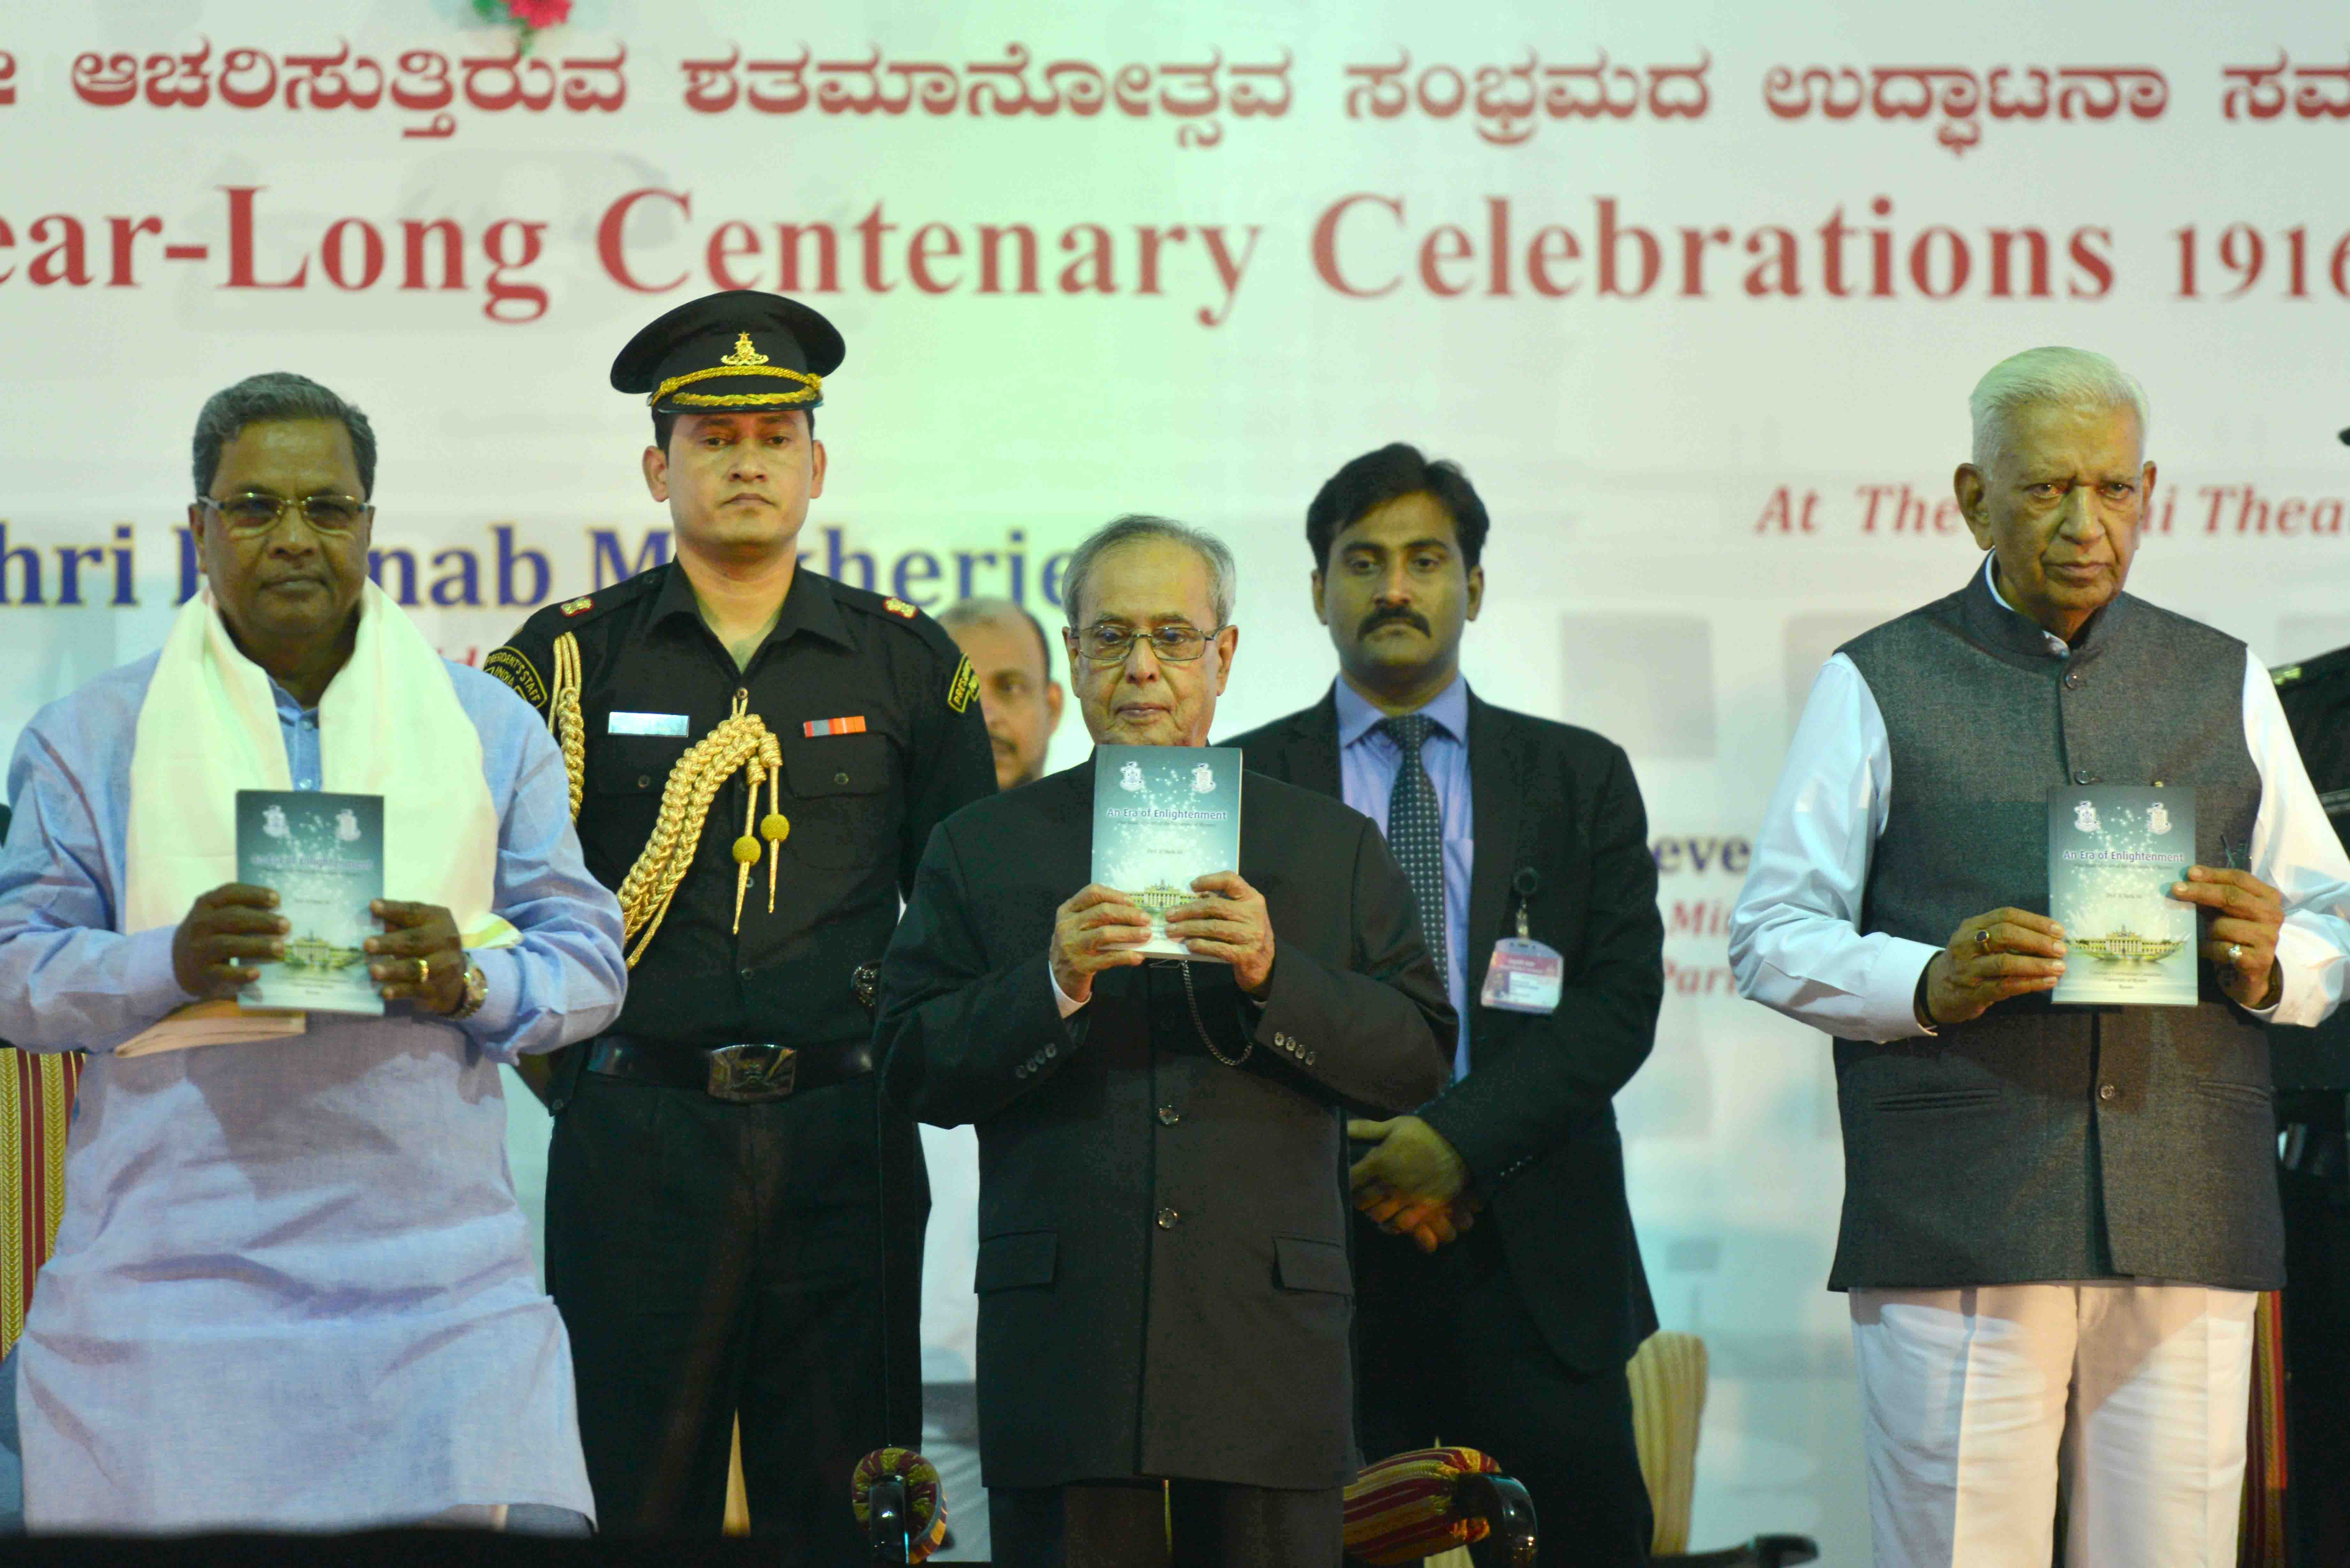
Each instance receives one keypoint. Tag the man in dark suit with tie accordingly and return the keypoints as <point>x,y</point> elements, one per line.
<point>1163,1288</point>
<point>1511,1335</point>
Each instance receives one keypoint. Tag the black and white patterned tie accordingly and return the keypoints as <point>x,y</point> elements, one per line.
<point>1415,827</point>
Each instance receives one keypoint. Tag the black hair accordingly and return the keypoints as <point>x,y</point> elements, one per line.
<point>663,423</point>
<point>1390,473</point>
<point>277,396</point>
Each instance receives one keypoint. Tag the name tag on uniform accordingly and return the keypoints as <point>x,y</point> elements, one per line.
<point>1525,976</point>
<point>620,723</point>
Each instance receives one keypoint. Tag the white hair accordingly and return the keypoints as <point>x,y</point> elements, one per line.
<point>1223,577</point>
<point>2069,377</point>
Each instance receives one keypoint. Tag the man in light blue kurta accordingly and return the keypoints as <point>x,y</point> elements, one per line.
<point>292,1287</point>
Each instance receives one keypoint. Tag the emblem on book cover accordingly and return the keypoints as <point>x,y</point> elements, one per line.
<point>2084,815</point>
<point>2158,819</point>
<point>273,823</point>
<point>1203,780</point>
<point>1129,777</point>
<point>347,826</point>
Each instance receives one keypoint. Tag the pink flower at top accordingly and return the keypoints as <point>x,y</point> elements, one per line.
<point>539,12</point>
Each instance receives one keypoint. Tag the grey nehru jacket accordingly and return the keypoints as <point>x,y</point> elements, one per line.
<point>2040,1142</point>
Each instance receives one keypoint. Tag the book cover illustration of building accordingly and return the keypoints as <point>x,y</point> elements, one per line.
<point>1164,815</point>
<point>2114,851</point>
<point>323,855</point>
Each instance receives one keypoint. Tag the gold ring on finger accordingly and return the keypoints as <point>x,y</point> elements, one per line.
<point>1982,938</point>
<point>424,972</point>
<point>2235,953</point>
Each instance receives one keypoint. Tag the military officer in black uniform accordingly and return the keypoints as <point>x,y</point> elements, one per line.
<point>757,756</point>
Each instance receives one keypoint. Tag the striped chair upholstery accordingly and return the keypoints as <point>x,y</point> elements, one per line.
<point>1403,1509</point>
<point>1668,1374</point>
<point>36,1094</point>
<point>2260,1539</point>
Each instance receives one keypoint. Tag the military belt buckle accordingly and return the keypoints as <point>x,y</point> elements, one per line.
<point>751,1075</point>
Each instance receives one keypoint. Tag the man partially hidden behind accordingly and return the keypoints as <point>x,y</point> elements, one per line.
<point>1511,1337</point>
<point>1164,1292</point>
<point>292,1288</point>
<point>733,1225</point>
<point>1008,651</point>
<point>2055,1218</point>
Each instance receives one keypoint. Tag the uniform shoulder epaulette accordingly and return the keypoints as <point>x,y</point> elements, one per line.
<point>524,661</point>
<point>570,615</point>
<point>2325,666</point>
<point>892,610</point>
<point>962,683</point>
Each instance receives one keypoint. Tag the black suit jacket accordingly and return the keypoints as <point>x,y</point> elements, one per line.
<point>1162,1281</point>
<point>1534,1119</point>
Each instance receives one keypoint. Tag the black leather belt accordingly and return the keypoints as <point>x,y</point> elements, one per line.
<point>741,1075</point>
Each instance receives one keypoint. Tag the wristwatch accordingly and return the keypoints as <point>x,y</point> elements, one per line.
<point>477,992</point>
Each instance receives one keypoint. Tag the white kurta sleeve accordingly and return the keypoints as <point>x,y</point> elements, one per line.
<point>2295,850</point>
<point>1796,944</point>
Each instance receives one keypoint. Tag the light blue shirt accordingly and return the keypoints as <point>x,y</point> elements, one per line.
<point>292,1286</point>
<point>1367,760</point>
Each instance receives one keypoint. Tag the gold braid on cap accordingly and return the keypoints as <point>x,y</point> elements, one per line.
<point>811,387</point>
<point>746,361</point>
<point>563,717</point>
<point>741,744</point>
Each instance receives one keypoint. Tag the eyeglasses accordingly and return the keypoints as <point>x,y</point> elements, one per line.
<point>1108,643</point>
<point>258,512</point>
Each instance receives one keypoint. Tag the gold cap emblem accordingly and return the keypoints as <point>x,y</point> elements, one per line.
<point>744,353</point>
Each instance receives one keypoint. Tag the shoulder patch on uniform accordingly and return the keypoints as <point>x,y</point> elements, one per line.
<point>509,666</point>
<point>963,687</point>
<point>579,605</point>
<point>899,608</point>
<point>2287,675</point>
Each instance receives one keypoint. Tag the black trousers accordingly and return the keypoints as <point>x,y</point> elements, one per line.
<point>1178,1524</point>
<point>1445,1351</point>
<point>711,1260</point>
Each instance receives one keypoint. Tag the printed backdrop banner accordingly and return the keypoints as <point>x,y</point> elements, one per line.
<point>1694,292</point>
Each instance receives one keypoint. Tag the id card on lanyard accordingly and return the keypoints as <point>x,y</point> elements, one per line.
<point>1525,975</point>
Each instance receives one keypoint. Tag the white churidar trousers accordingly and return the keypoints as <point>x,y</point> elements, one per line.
<point>1974,1402</point>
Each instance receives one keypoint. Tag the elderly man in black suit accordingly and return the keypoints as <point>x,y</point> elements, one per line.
<point>1515,830</point>
<point>1163,1281</point>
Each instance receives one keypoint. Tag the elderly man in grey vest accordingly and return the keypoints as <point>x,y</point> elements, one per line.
<point>2055,1218</point>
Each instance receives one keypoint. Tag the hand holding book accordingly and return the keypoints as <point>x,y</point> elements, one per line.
<point>1097,928</point>
<point>227,930</point>
<point>1231,923</point>
<point>420,958</point>
<point>2243,936</point>
<point>1990,957</point>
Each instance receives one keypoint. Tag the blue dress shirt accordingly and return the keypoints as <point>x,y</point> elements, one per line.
<point>1367,760</point>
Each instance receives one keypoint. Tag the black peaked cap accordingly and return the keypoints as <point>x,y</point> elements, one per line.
<point>740,350</point>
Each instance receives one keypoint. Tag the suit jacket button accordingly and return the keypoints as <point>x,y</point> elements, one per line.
<point>1309,1058</point>
<point>1168,1115</point>
<point>2106,1091</point>
<point>1020,1071</point>
<point>1051,1052</point>
<point>1168,1219</point>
